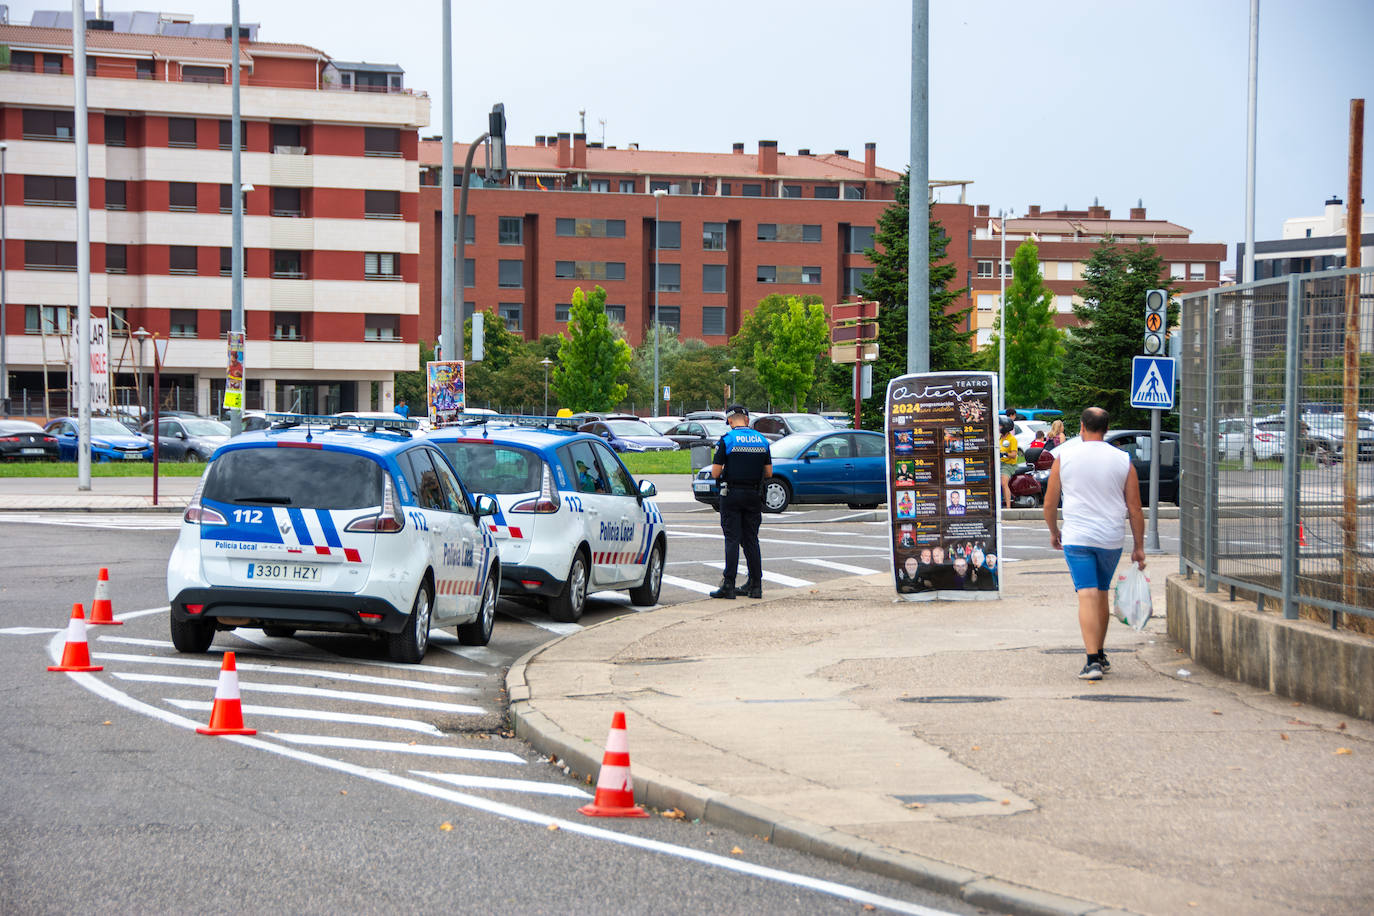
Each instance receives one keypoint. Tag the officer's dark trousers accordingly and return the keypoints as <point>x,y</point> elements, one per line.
<point>741,512</point>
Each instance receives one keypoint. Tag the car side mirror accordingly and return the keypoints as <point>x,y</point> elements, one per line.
<point>809,455</point>
<point>647,489</point>
<point>486,505</point>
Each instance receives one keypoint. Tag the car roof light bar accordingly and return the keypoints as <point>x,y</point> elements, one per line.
<point>368,424</point>
<point>511,419</point>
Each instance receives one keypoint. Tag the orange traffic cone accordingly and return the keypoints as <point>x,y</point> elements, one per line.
<point>615,793</point>
<point>226,716</point>
<point>102,612</point>
<point>76,655</point>
<point>1302,535</point>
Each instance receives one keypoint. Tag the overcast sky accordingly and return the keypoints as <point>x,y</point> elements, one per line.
<point>1048,103</point>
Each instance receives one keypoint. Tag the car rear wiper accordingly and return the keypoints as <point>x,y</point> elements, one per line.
<point>271,500</point>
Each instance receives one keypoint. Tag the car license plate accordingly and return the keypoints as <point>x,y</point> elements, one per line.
<point>132,455</point>
<point>702,486</point>
<point>283,572</point>
<point>30,451</point>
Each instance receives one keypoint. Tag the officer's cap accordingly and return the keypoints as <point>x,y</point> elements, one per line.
<point>737,410</point>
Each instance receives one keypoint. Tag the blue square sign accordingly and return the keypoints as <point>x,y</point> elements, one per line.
<point>1152,382</point>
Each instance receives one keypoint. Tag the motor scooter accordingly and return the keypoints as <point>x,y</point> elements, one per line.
<point>1028,480</point>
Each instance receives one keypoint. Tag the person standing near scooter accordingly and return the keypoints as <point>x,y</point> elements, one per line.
<point>1006,451</point>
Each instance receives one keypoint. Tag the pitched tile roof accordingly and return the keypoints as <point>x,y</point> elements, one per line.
<point>169,47</point>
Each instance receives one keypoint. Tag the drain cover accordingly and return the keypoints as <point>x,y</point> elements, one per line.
<point>952,699</point>
<point>1124,698</point>
<point>965,799</point>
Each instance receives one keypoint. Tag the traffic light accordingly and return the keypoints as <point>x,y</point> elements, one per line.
<point>1156,321</point>
<point>496,151</point>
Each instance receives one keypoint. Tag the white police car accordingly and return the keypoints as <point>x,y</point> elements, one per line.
<point>327,523</point>
<point>571,518</point>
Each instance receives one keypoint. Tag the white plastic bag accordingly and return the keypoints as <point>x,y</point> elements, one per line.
<point>1132,599</point>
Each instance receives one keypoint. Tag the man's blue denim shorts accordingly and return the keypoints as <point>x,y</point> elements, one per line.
<point>1091,567</point>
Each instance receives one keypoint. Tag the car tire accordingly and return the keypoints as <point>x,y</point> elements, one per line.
<point>192,635</point>
<point>776,495</point>
<point>568,605</point>
<point>408,646</point>
<point>194,457</point>
<point>864,505</point>
<point>478,633</point>
<point>279,632</point>
<point>646,593</point>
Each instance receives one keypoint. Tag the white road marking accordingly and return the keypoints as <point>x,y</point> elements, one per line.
<point>397,747</point>
<point>120,522</point>
<point>719,536</point>
<point>840,567</point>
<point>499,809</point>
<point>827,531</point>
<point>319,692</point>
<point>506,785</point>
<point>479,654</point>
<point>29,631</point>
<point>691,586</point>
<point>542,622</point>
<point>392,666</point>
<point>285,712</point>
<point>283,669</point>
<point>775,578</point>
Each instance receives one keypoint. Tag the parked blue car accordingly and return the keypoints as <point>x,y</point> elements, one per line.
<point>110,440</point>
<point>838,467</point>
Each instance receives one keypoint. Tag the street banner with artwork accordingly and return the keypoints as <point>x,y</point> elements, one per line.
<point>445,391</point>
<point>943,485</point>
<point>233,380</point>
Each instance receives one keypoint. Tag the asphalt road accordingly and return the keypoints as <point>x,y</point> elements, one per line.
<point>113,802</point>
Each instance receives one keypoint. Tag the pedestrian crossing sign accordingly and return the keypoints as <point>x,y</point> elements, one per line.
<point>1152,382</point>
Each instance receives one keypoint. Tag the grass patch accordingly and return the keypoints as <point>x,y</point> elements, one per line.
<point>102,469</point>
<point>641,463</point>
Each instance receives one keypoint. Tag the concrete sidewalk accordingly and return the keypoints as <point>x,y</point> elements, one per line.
<point>61,494</point>
<point>951,744</point>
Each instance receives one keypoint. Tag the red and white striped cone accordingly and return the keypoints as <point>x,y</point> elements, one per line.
<point>226,716</point>
<point>102,611</point>
<point>76,654</point>
<point>615,792</point>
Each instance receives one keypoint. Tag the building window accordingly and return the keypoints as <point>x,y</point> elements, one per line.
<point>181,132</point>
<point>810,233</point>
<point>1064,270</point>
<point>751,190</point>
<point>52,63</point>
<point>47,319</point>
<point>788,232</point>
<point>226,200</point>
<point>182,260</point>
<point>854,278</point>
<point>382,327</point>
<point>589,270</point>
<point>22,61</point>
<point>181,195</point>
<point>226,130</point>
<point>380,265</point>
<point>1064,304</point>
<point>791,190</point>
<point>510,274</point>
<point>41,124</point>
<point>860,239</point>
<point>382,204</point>
<point>826,192</point>
<point>509,312</point>
<point>567,227</point>
<point>469,273</point>
<point>985,268</point>
<point>193,74</point>
<point>615,313</point>
<point>116,259</point>
<point>49,191</point>
<point>713,278</point>
<point>767,273</point>
<point>183,323</point>
<point>116,129</point>
<point>143,69</point>
<point>668,277</point>
<point>670,316</point>
<point>226,320</point>
<point>382,141</point>
<point>1197,271</point>
<point>660,186</point>
<point>119,322</point>
<point>286,326</point>
<point>713,321</point>
<point>40,255</point>
<point>853,192</point>
<point>285,202</point>
<point>768,232</point>
<point>600,186</point>
<point>562,312</point>
<point>1006,270</point>
<point>287,265</point>
<point>286,138</point>
<point>725,189</point>
<point>627,186</point>
<point>226,262</point>
<point>811,275</point>
<point>510,230</point>
<point>1178,271</point>
<point>666,235</point>
<point>713,236</point>
<point>987,302</point>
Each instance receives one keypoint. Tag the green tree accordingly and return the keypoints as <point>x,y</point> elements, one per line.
<point>592,358</point>
<point>484,379</point>
<point>411,387</point>
<point>755,329</point>
<point>700,377</point>
<point>1097,359</point>
<point>787,365</point>
<point>949,331</point>
<point>1035,347</point>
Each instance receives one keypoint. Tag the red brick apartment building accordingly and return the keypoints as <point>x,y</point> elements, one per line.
<point>331,288</point>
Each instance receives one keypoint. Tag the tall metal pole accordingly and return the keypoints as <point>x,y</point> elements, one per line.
<point>4,300</point>
<point>658,404</point>
<point>83,248</point>
<point>1002,318</point>
<point>446,262</point>
<point>918,212</point>
<point>236,216</point>
<point>1354,219</point>
<point>1247,330</point>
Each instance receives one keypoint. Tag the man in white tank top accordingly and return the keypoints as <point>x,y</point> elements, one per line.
<point>1100,490</point>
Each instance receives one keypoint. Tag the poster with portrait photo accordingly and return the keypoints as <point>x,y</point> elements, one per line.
<point>954,472</point>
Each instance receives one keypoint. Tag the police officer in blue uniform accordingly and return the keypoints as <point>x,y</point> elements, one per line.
<point>742,463</point>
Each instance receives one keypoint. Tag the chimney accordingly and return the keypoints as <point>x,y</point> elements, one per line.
<point>738,149</point>
<point>564,150</point>
<point>579,155</point>
<point>803,152</point>
<point>539,140</point>
<point>842,152</point>
<point>982,212</point>
<point>1097,211</point>
<point>768,157</point>
<point>1138,211</point>
<point>870,160</point>
<point>1034,210</point>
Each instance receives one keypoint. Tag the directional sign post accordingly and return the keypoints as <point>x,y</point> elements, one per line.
<point>854,339</point>
<point>1152,387</point>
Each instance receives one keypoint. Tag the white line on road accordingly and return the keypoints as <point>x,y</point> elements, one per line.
<point>315,715</point>
<point>699,587</point>
<point>465,781</point>
<point>28,631</point>
<point>319,692</point>
<point>131,615</point>
<point>396,747</point>
<point>540,621</point>
<point>363,662</point>
<point>478,654</point>
<point>283,669</point>
<point>775,578</point>
<point>718,536</point>
<point>790,528</point>
<point>841,567</point>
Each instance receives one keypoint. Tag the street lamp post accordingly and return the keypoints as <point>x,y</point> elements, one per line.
<point>734,374</point>
<point>658,404</point>
<point>141,335</point>
<point>546,363</point>
<point>1002,318</point>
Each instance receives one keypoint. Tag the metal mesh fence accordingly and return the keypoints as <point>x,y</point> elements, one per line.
<point>1273,497</point>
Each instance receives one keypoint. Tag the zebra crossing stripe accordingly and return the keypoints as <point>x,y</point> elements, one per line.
<point>775,578</point>
<point>319,692</point>
<point>690,585</point>
<point>315,715</point>
<point>282,669</point>
<point>396,747</point>
<point>465,781</point>
<point>839,567</point>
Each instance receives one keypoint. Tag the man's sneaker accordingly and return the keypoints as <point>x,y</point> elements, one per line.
<point>1104,662</point>
<point>728,591</point>
<point>1092,671</point>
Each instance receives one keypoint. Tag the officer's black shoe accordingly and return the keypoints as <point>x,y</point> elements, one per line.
<point>725,591</point>
<point>753,589</point>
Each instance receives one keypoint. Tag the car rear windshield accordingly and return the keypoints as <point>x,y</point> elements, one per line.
<point>304,477</point>
<point>631,428</point>
<point>791,446</point>
<point>809,423</point>
<point>486,467</point>
<point>104,426</point>
<point>198,427</point>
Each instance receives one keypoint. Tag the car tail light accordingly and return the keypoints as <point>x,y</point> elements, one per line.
<point>370,618</point>
<point>389,520</point>
<point>198,514</point>
<point>194,608</point>
<point>47,439</point>
<point>9,438</point>
<point>546,502</point>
